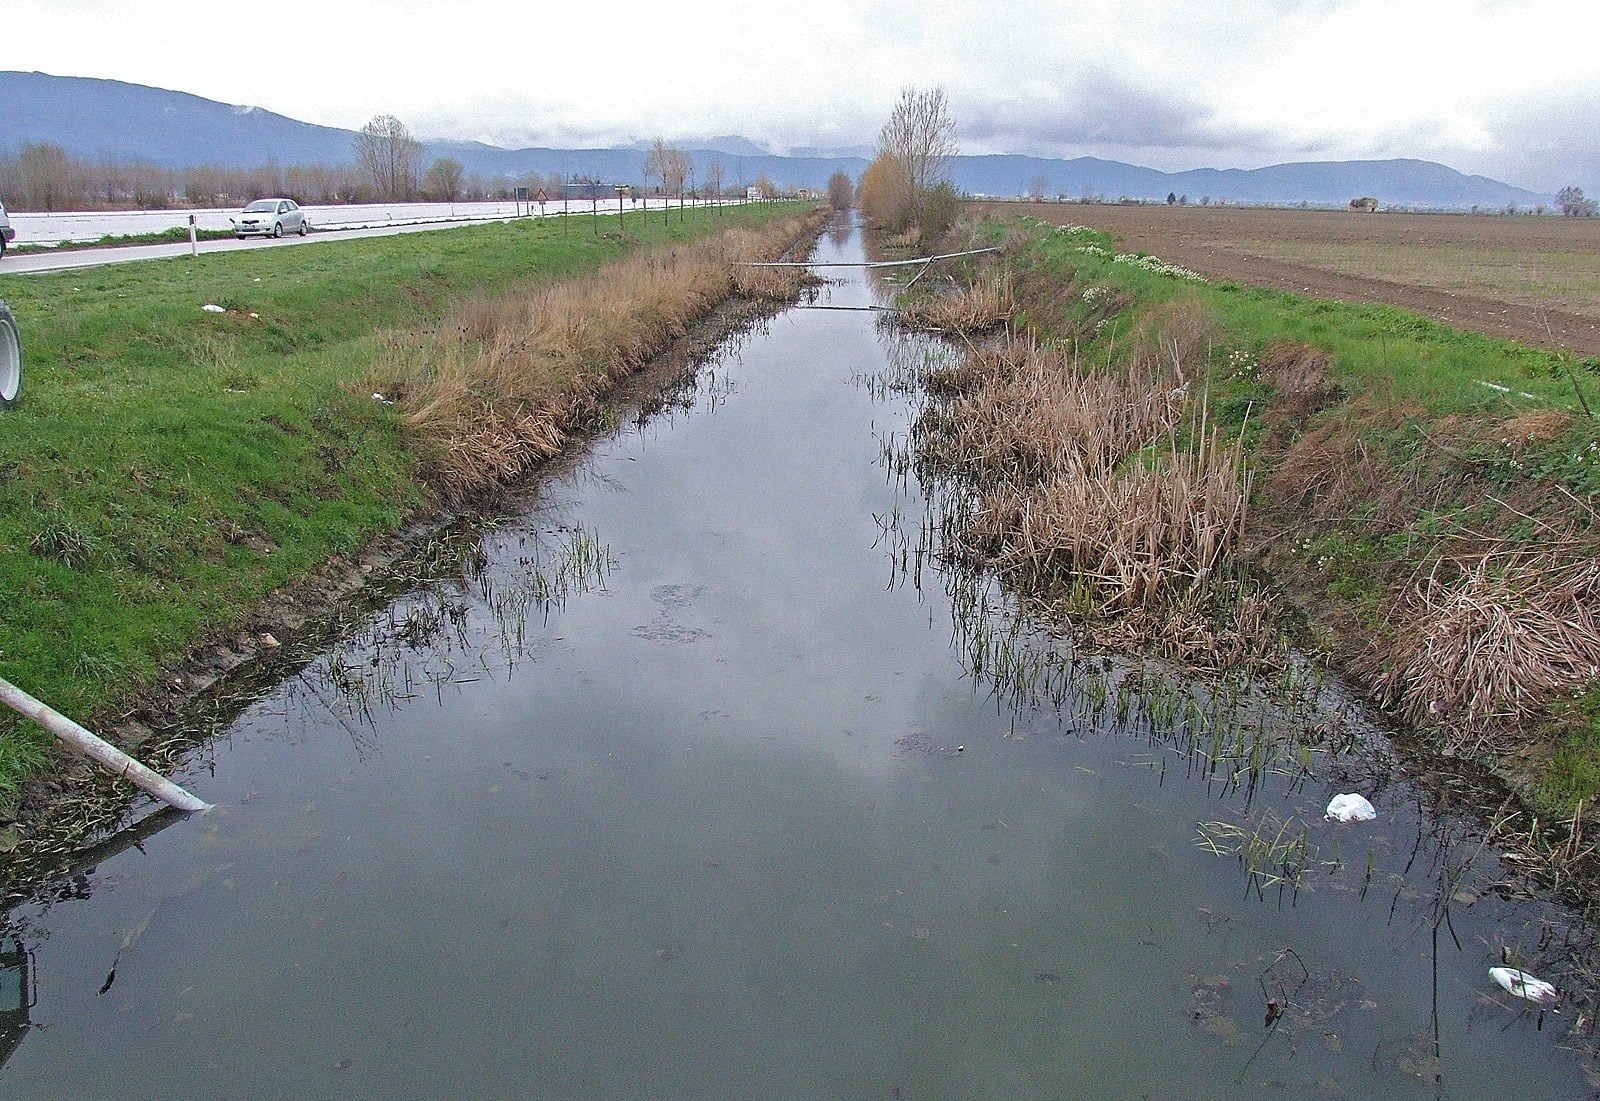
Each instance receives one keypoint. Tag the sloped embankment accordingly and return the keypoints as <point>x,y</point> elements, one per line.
<point>182,484</point>
<point>1146,444</point>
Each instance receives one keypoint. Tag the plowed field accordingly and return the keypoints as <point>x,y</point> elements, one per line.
<point>1529,278</point>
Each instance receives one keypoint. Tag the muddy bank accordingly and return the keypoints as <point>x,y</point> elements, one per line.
<point>169,723</point>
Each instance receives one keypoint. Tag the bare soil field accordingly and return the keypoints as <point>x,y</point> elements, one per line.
<point>1528,278</point>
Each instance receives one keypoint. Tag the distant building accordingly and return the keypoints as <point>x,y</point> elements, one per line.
<point>752,193</point>
<point>1367,204</point>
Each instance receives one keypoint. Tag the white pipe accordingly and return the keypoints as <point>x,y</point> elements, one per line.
<point>864,263</point>
<point>98,749</point>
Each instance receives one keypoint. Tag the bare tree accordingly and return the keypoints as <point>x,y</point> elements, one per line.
<point>444,179</point>
<point>1036,188</point>
<point>390,156</point>
<point>841,191</point>
<point>1573,204</point>
<point>657,162</point>
<point>714,174</point>
<point>921,136</point>
<point>678,167</point>
<point>46,173</point>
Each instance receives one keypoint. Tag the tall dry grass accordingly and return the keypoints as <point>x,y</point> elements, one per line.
<point>1087,493</point>
<point>1487,642</point>
<point>981,305</point>
<point>1025,413</point>
<point>500,383</point>
<point>1145,536</point>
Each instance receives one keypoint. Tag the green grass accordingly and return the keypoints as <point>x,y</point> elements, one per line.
<point>1571,771</point>
<point>168,467</point>
<point>1403,358</point>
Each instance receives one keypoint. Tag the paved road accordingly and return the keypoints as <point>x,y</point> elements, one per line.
<point>25,263</point>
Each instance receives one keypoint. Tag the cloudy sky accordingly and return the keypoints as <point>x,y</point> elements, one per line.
<point>1510,88</point>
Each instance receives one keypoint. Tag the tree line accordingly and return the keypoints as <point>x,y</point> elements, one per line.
<point>45,177</point>
<point>386,166</point>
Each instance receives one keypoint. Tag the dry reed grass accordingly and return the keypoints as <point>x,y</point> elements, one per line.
<point>1082,500</point>
<point>771,284</point>
<point>1033,413</point>
<point>980,365</point>
<point>499,384</point>
<point>1536,426</point>
<point>985,303</point>
<point>1493,644</point>
<point>1147,537</point>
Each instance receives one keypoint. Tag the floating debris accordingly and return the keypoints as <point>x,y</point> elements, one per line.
<point>1523,985</point>
<point>1350,808</point>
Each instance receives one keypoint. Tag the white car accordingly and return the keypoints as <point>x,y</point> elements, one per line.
<point>7,234</point>
<point>270,218</point>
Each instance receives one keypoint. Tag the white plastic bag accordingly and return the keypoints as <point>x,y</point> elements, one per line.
<point>1350,808</point>
<point>1523,985</point>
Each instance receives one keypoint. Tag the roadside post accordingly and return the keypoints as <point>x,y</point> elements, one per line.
<point>194,238</point>
<point>621,221</point>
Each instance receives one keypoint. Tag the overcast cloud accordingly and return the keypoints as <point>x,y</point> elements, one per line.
<point>1504,88</point>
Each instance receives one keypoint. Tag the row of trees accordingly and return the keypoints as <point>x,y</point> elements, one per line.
<point>387,167</point>
<point>673,169</point>
<point>44,177</point>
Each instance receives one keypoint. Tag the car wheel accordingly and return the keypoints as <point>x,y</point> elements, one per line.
<point>304,229</point>
<point>10,359</point>
<point>238,237</point>
<point>277,229</point>
<point>2,246</point>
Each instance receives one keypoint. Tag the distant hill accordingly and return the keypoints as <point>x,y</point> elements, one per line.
<point>92,117</point>
<point>1395,182</point>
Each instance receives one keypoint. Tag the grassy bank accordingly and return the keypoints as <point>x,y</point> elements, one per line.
<point>1425,496</point>
<point>171,467</point>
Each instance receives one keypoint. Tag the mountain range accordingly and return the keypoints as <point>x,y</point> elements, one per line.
<point>91,117</point>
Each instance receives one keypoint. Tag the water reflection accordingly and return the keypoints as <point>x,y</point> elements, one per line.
<point>707,774</point>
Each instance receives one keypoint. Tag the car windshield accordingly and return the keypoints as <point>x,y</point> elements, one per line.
<point>261,204</point>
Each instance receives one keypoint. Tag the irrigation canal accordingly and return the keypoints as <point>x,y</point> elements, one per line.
<point>682,784</point>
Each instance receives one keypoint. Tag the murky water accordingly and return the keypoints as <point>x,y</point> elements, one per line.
<point>686,790</point>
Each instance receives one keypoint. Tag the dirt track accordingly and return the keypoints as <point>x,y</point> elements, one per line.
<point>1432,263</point>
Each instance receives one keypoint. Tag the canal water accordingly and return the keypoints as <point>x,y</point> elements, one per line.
<point>681,783</point>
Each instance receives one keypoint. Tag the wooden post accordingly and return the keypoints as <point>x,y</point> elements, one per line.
<point>97,749</point>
